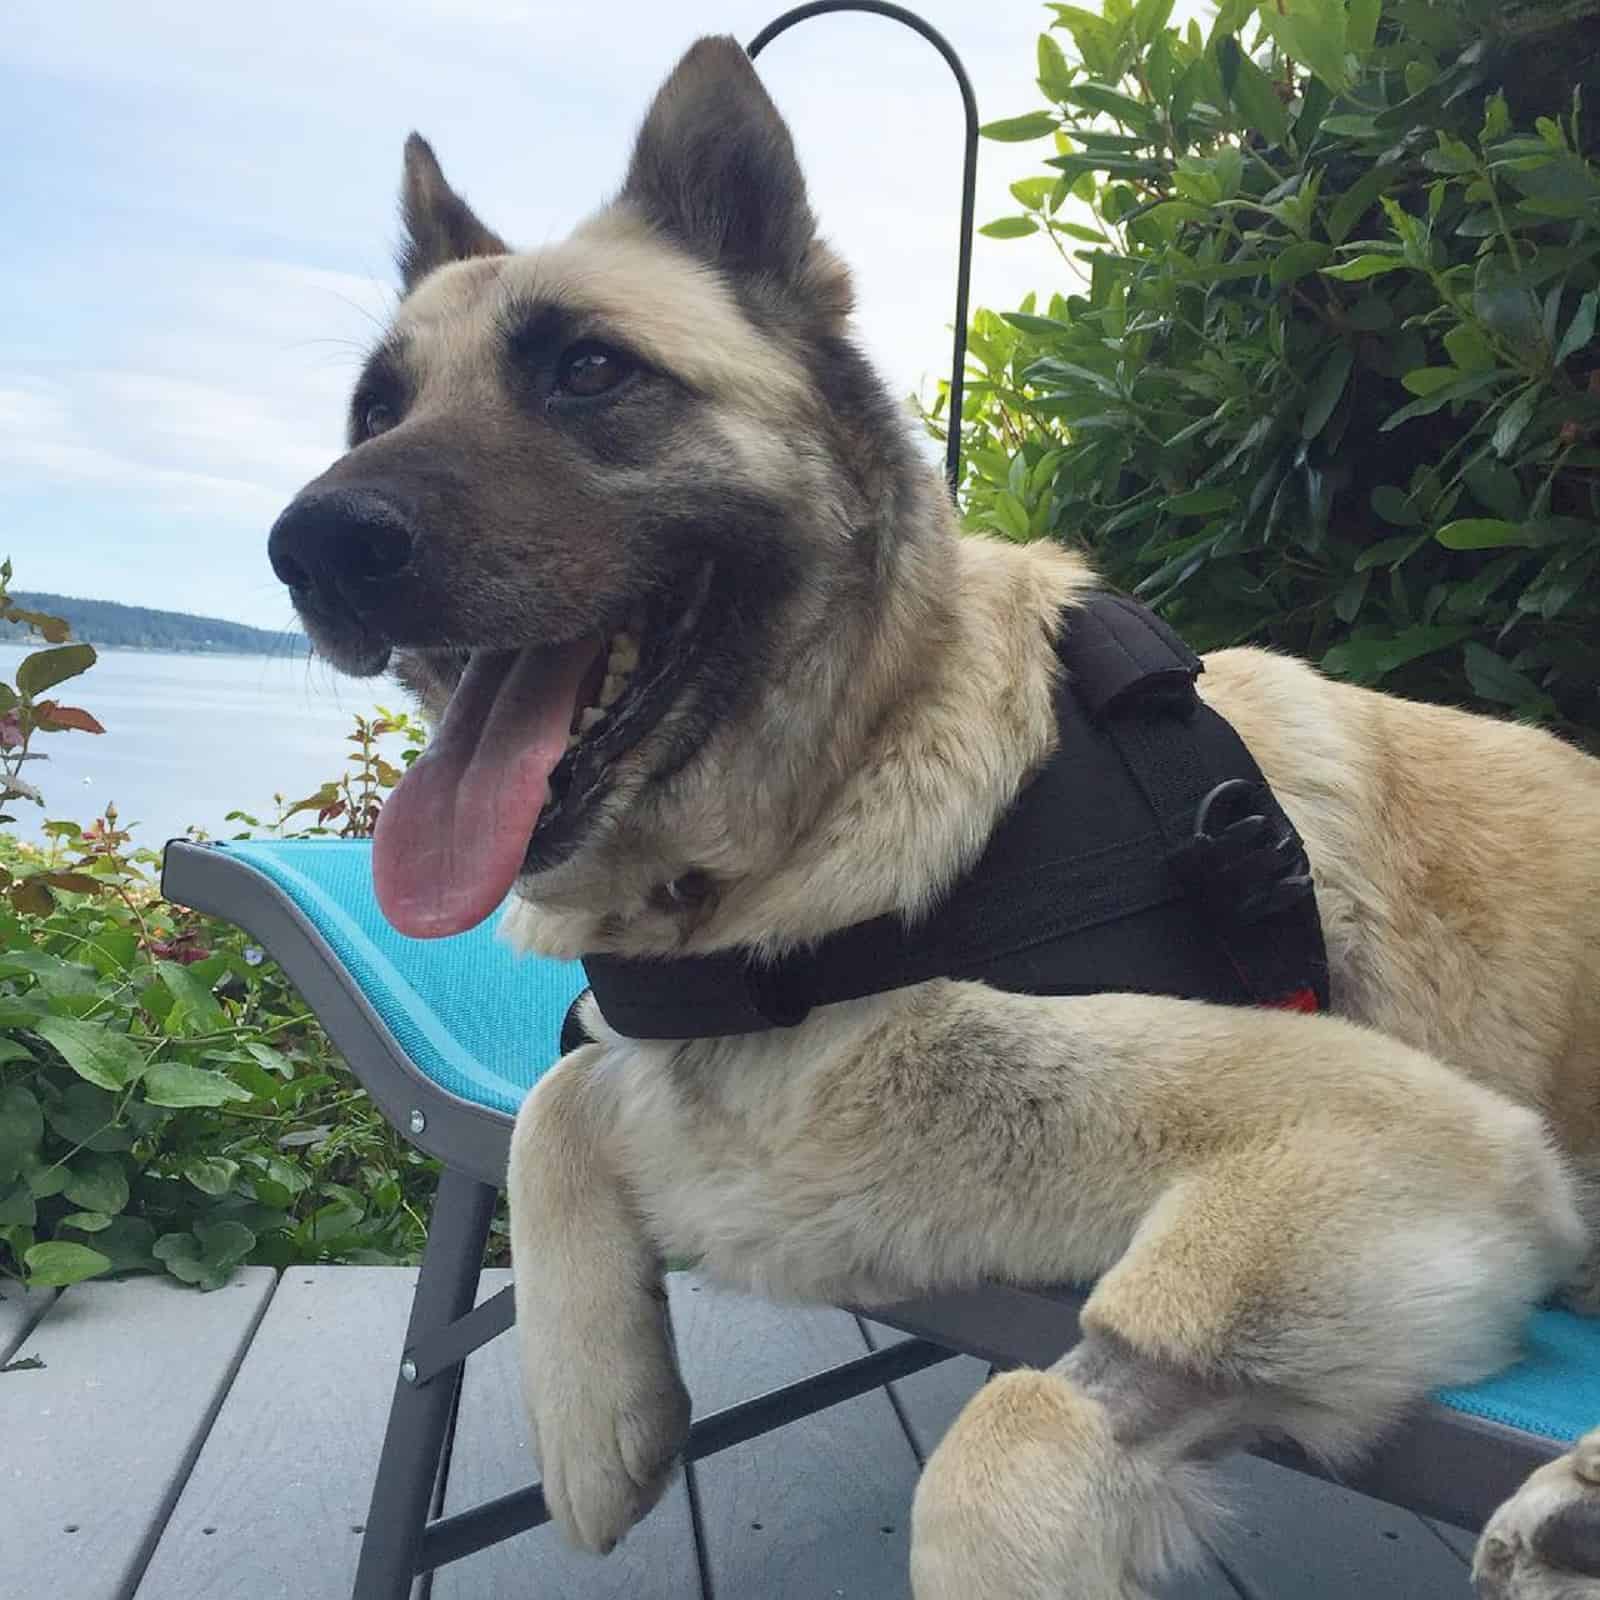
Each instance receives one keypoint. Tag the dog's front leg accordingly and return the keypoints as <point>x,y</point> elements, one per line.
<point>609,1410</point>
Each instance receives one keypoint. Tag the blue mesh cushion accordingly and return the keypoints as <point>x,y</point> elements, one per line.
<point>473,1015</point>
<point>484,1023</point>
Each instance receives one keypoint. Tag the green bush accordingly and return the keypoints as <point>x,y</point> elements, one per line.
<point>166,1101</point>
<point>1327,379</point>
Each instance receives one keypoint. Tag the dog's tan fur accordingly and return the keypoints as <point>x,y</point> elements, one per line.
<point>1294,1223</point>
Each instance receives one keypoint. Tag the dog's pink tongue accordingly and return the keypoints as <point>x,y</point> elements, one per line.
<point>453,833</point>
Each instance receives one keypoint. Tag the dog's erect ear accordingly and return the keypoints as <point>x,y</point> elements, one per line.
<point>715,169</point>
<point>439,225</point>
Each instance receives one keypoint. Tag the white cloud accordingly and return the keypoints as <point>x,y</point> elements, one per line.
<point>205,220</point>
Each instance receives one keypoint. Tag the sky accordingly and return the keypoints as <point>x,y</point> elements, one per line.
<point>198,215</point>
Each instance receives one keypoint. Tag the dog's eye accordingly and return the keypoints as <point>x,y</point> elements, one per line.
<point>589,369</point>
<point>377,418</point>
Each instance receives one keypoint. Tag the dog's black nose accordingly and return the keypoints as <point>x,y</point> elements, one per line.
<point>333,544</point>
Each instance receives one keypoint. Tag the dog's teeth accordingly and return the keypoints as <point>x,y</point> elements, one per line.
<point>592,715</point>
<point>572,740</point>
<point>624,655</point>
<point>610,689</point>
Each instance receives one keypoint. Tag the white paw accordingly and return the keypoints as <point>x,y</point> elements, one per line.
<point>610,1416</point>
<point>1544,1542</point>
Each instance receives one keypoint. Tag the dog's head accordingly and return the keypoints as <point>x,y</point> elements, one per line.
<point>596,494</point>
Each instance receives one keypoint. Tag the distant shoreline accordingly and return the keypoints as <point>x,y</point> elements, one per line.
<point>165,649</point>
<point>111,625</point>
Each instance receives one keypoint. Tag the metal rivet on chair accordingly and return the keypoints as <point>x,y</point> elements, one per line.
<point>408,1370</point>
<point>418,1122</point>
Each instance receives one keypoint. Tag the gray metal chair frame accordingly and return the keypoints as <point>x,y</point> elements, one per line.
<point>1442,1463</point>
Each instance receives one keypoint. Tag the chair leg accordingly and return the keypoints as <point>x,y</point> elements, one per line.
<point>419,1414</point>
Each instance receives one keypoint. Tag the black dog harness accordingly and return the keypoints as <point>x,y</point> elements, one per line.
<point>1147,856</point>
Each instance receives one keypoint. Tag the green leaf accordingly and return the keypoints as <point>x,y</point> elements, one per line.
<point>46,668</point>
<point>1325,390</point>
<point>1055,76</point>
<point>1096,97</point>
<point>45,1179</point>
<point>126,1242</point>
<point>273,1060</point>
<point>1387,551</point>
<point>195,1009</point>
<point>1363,267</point>
<point>1361,24</point>
<point>1356,201</point>
<point>1252,92</point>
<point>1032,192</point>
<point>1295,261</point>
<point>1314,38</point>
<point>211,1174</point>
<point>1581,329</point>
<point>17,1208</point>
<point>1200,502</point>
<point>86,1221</point>
<point>55,1265</point>
<point>1512,424</point>
<point>1394,505</point>
<point>97,1053</point>
<point>1014,130</point>
<point>1149,18</point>
<point>1495,678</point>
<point>13,1050</point>
<point>1468,349</point>
<point>21,1126</point>
<point>1369,659</point>
<point>87,1116</point>
<point>207,1255</point>
<point>1028,323</point>
<point>1429,380</point>
<point>1009,228</point>
<point>171,1083</point>
<point>1425,405</point>
<point>97,1183</point>
<point>1481,533</point>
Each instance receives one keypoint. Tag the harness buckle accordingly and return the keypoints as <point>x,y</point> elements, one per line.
<point>1244,857</point>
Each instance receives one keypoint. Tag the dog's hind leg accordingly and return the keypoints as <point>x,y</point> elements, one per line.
<point>1255,1298</point>
<point>1048,1487</point>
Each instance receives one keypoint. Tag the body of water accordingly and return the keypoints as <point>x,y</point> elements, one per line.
<point>190,738</point>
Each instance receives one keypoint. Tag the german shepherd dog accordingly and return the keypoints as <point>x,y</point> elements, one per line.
<point>710,666</point>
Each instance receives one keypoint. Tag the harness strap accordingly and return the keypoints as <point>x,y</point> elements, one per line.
<point>1148,855</point>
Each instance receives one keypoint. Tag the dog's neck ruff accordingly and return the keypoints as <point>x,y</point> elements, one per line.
<point>1148,855</point>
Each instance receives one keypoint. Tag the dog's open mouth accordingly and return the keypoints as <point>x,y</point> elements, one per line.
<point>525,748</point>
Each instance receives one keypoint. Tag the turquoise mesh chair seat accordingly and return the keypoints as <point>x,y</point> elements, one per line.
<point>449,1035</point>
<point>478,1019</point>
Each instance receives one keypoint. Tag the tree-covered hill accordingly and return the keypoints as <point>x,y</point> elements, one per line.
<point>116,626</point>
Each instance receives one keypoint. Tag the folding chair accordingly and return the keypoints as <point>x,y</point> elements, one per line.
<point>448,1037</point>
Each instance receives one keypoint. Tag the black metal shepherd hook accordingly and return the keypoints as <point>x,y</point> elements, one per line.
<point>969,177</point>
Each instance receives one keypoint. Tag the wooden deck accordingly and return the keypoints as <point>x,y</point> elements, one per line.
<point>166,1445</point>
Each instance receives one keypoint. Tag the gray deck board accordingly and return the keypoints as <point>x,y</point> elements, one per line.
<point>295,1400</point>
<point>20,1310</point>
<point>275,1504</point>
<point>1297,1536</point>
<point>491,1456</point>
<point>819,1508</point>
<point>100,1439</point>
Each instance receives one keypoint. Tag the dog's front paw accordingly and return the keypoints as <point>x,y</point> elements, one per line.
<point>1544,1542</point>
<point>610,1416</point>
